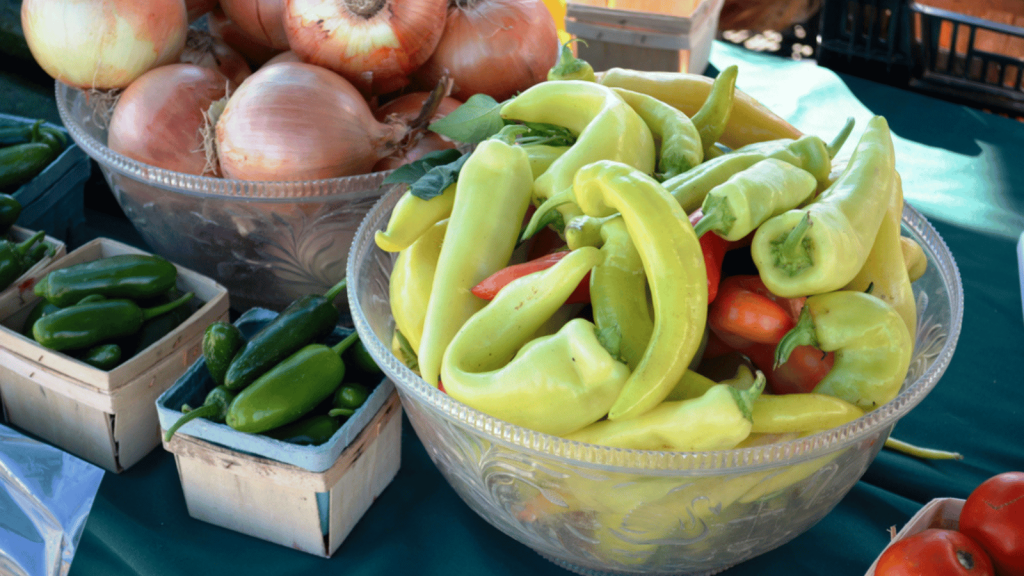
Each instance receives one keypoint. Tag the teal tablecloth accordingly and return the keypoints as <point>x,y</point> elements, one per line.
<point>960,167</point>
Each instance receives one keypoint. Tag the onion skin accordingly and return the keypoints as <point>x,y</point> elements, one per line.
<point>287,56</point>
<point>196,8</point>
<point>103,44</point>
<point>405,109</point>
<point>293,121</point>
<point>255,53</point>
<point>206,50</point>
<point>261,20</point>
<point>378,52</point>
<point>493,47</point>
<point>158,118</point>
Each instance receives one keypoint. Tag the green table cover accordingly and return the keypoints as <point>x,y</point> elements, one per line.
<point>960,167</point>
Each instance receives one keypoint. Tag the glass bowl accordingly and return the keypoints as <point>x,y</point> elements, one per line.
<point>594,509</point>
<point>268,243</point>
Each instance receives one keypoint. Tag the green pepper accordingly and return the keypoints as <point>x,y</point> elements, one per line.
<point>674,266</point>
<point>22,162</point>
<point>871,343</point>
<point>411,278</point>
<point>10,135</point>
<point>552,384</point>
<point>744,201</point>
<point>569,67</point>
<point>290,389</point>
<point>214,409</point>
<point>359,357</point>
<point>10,209</point>
<point>90,299</point>
<point>37,252</point>
<point>154,329</point>
<point>493,194</point>
<point>412,217</point>
<point>719,419</point>
<point>348,399</point>
<point>305,320</point>
<point>12,258</point>
<point>221,341</point>
<point>42,308</point>
<point>85,325</point>
<point>680,147</point>
<point>102,356</point>
<point>713,117</point>
<point>821,247</point>
<point>132,276</point>
<point>311,431</point>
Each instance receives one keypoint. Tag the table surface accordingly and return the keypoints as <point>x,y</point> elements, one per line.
<point>959,167</point>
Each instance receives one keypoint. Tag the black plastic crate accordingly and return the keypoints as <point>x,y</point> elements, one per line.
<point>868,38</point>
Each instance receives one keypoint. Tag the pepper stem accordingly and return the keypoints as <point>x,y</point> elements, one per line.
<point>544,213</point>
<point>341,412</point>
<point>155,311</point>
<point>204,411</point>
<point>745,398</point>
<point>569,67</point>
<point>718,217</point>
<point>340,347</point>
<point>331,294</point>
<point>840,139</point>
<point>25,246</point>
<point>791,253</point>
<point>803,334</point>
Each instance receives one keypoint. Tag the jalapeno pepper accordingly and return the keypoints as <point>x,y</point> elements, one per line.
<point>42,308</point>
<point>214,409</point>
<point>872,345</point>
<point>22,162</point>
<point>304,321</point>
<point>10,209</point>
<point>132,276</point>
<point>311,431</point>
<point>12,258</point>
<point>103,356</point>
<point>290,389</point>
<point>493,193</point>
<point>348,398</point>
<point>221,341</point>
<point>85,325</point>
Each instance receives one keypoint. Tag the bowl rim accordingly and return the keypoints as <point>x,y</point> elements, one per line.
<point>269,191</point>
<point>647,461</point>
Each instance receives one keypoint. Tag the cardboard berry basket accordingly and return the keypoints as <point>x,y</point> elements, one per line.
<point>305,497</point>
<point>14,295</point>
<point>105,417</point>
<point>942,513</point>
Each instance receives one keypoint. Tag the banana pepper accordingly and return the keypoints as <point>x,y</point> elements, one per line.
<point>871,343</point>
<point>553,384</point>
<point>680,147</point>
<point>674,267</point>
<point>411,278</point>
<point>411,217</point>
<point>713,116</point>
<point>821,247</point>
<point>493,193</point>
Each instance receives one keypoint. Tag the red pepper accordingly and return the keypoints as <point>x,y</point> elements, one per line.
<point>803,370</point>
<point>747,314</point>
<point>713,248</point>
<point>493,284</point>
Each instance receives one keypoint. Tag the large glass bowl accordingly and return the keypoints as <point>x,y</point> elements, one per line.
<point>593,509</point>
<point>268,243</point>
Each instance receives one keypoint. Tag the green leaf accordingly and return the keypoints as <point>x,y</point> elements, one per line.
<point>413,171</point>
<point>476,120</point>
<point>437,179</point>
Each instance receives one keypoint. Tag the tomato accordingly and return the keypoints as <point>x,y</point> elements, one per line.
<point>993,516</point>
<point>934,552</point>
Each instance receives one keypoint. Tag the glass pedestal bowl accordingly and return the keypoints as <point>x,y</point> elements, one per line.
<point>268,243</point>
<point>593,509</point>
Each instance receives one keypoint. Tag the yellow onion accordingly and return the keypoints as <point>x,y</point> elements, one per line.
<point>261,20</point>
<point>206,50</point>
<point>409,109</point>
<point>159,119</point>
<point>255,52</point>
<point>375,44</point>
<point>295,121</point>
<point>103,44</point>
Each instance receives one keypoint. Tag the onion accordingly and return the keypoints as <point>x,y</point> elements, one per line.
<point>261,20</point>
<point>159,119</point>
<point>420,142</point>
<point>296,121</point>
<point>103,44</point>
<point>287,56</point>
<point>197,8</point>
<point>375,44</point>
<point>494,47</point>
<point>206,50</point>
<point>255,53</point>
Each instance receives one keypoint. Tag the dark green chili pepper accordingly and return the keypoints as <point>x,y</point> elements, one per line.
<point>10,135</point>
<point>348,399</point>
<point>133,276</point>
<point>12,258</point>
<point>358,357</point>
<point>304,321</point>
<point>10,209</point>
<point>103,356</point>
<point>214,409</point>
<point>87,324</point>
<point>290,389</point>
<point>90,299</point>
<point>21,163</point>
<point>311,431</point>
<point>42,308</point>
<point>38,251</point>
<point>221,341</point>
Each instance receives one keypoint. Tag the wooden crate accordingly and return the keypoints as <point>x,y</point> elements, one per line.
<point>644,40</point>
<point>106,417</point>
<point>13,297</point>
<point>309,511</point>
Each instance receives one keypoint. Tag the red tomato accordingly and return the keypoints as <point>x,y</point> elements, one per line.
<point>934,552</point>
<point>993,516</point>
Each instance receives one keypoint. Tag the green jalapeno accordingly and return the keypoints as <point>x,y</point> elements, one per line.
<point>103,356</point>
<point>311,431</point>
<point>42,308</point>
<point>348,399</point>
<point>10,209</point>
<point>221,341</point>
<point>12,258</point>
<point>290,389</point>
<point>22,162</point>
<point>85,325</point>
<point>304,321</point>
<point>132,276</point>
<point>214,409</point>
